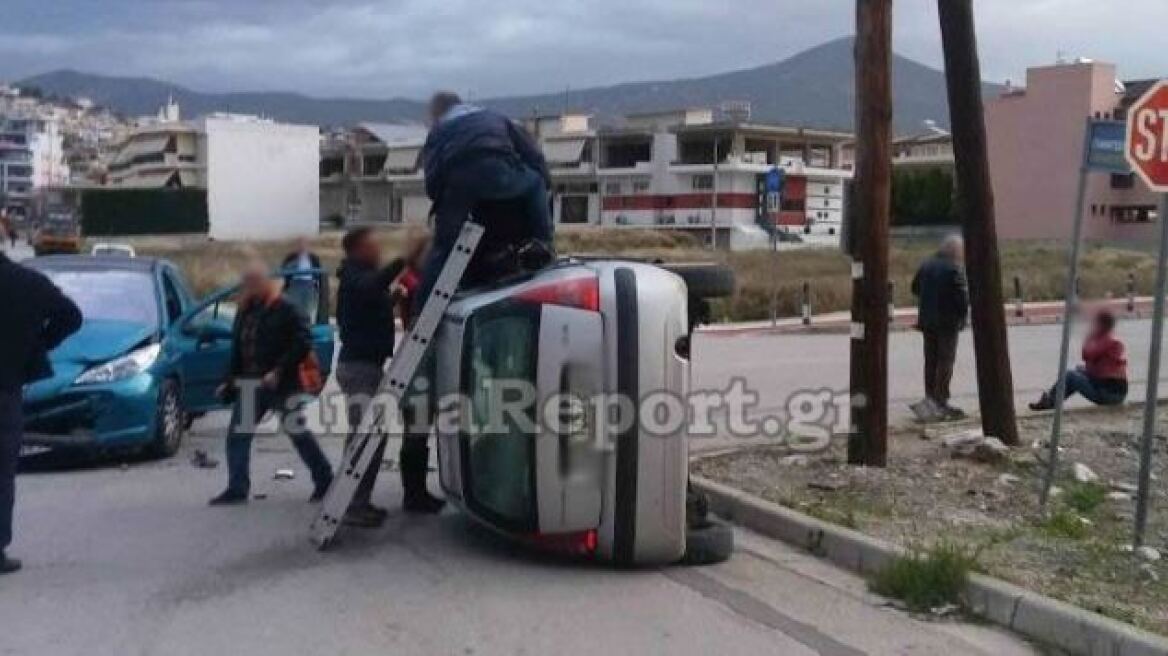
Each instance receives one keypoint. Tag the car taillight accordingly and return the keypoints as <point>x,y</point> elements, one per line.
<point>582,293</point>
<point>582,543</point>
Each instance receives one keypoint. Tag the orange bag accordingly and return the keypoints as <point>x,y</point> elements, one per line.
<point>311,378</point>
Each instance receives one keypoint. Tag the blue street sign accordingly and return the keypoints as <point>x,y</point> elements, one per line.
<point>774,180</point>
<point>1107,144</point>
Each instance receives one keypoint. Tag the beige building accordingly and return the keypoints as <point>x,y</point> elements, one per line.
<point>1036,137</point>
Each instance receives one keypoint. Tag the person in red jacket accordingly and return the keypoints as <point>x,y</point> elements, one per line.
<point>1102,378</point>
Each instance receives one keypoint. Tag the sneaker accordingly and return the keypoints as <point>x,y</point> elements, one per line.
<point>9,565</point>
<point>952,413</point>
<point>229,498</point>
<point>926,410</point>
<point>373,510</point>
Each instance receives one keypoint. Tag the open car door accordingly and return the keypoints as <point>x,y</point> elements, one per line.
<point>205,332</point>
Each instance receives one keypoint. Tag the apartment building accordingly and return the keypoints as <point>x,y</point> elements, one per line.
<point>680,170</point>
<point>32,157</point>
<point>261,178</point>
<point>1036,139</point>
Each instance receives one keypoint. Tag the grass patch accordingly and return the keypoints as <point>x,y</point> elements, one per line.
<point>1084,498</point>
<point>928,579</point>
<point>1064,524</point>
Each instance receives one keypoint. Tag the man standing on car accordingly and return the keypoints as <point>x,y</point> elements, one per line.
<point>365,300</point>
<point>942,310</point>
<point>270,342</point>
<point>302,288</point>
<point>37,317</point>
<point>474,157</point>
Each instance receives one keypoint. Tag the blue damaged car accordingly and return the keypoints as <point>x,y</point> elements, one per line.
<point>145,362</point>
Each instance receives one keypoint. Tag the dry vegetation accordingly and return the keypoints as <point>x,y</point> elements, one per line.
<point>762,276</point>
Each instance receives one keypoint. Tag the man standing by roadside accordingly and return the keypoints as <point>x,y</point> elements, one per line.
<point>303,288</point>
<point>270,341</point>
<point>942,309</point>
<point>365,320</point>
<point>37,317</point>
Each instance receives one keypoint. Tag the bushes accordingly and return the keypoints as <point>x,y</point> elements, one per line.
<point>121,212</point>
<point>923,198</point>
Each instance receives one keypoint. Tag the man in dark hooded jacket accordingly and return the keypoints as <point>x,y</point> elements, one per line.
<point>37,317</point>
<point>942,310</point>
<point>480,162</point>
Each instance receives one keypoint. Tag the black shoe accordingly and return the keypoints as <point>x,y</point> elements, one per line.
<point>952,413</point>
<point>421,502</point>
<point>319,491</point>
<point>371,509</point>
<point>229,498</point>
<point>363,518</point>
<point>1044,403</point>
<point>8,565</point>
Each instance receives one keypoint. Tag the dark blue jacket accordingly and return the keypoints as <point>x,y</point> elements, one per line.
<point>37,317</point>
<point>365,311</point>
<point>471,133</point>
<point>942,295</point>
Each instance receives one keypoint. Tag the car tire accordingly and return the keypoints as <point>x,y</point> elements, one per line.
<point>710,543</point>
<point>169,422</point>
<point>704,279</point>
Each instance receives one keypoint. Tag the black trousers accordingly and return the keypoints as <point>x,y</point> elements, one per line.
<point>11,427</point>
<point>940,354</point>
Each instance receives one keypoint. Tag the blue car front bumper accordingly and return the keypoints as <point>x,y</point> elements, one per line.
<point>94,416</point>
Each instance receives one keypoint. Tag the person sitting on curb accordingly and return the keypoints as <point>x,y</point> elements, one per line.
<point>1102,378</point>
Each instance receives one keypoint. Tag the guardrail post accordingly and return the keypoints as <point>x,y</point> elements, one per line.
<point>1131,293</point>
<point>806,303</point>
<point>892,301</point>
<point>1019,300</point>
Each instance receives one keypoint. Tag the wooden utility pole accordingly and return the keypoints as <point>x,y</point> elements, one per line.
<point>868,441</point>
<point>995,383</point>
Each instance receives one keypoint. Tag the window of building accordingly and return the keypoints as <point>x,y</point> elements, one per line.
<point>703,182</point>
<point>641,186</point>
<point>1123,180</point>
<point>613,189</point>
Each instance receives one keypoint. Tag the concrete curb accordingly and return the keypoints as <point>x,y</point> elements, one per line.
<point>1032,615</point>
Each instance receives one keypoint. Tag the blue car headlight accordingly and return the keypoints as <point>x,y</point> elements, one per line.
<point>121,368</point>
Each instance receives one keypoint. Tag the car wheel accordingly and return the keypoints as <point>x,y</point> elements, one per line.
<point>169,421</point>
<point>704,279</point>
<point>710,543</point>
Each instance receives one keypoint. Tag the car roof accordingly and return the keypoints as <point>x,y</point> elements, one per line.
<point>95,263</point>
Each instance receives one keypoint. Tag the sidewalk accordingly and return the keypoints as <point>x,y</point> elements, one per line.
<point>1036,313</point>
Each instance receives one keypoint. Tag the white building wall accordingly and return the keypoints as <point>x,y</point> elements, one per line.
<point>262,179</point>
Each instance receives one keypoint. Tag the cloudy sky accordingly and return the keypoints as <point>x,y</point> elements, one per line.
<point>382,48</point>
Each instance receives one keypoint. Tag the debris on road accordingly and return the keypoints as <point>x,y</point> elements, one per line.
<point>284,475</point>
<point>1083,473</point>
<point>201,460</point>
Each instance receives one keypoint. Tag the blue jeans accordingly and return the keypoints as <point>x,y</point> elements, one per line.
<point>241,432</point>
<point>11,430</point>
<point>468,186</point>
<point>1099,392</point>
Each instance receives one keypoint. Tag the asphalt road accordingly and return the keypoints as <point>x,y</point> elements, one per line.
<point>129,560</point>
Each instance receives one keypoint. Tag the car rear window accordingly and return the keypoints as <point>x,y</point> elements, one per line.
<point>500,345</point>
<point>127,296</point>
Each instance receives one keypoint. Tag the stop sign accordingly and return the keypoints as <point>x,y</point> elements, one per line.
<point>1147,137</point>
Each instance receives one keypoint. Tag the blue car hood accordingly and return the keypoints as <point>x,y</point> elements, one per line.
<point>96,342</point>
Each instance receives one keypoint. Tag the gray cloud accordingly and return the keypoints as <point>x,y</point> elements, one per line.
<point>408,47</point>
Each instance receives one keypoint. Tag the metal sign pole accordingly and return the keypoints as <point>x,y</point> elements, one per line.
<point>1153,391</point>
<point>1068,320</point>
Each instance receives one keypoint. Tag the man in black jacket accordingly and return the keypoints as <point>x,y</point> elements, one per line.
<point>365,301</point>
<point>942,310</point>
<point>270,341</point>
<point>480,162</point>
<point>37,317</point>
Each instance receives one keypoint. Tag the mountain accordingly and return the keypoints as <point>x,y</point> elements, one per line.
<point>815,88</point>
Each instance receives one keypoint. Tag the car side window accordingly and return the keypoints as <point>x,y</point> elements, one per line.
<point>172,298</point>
